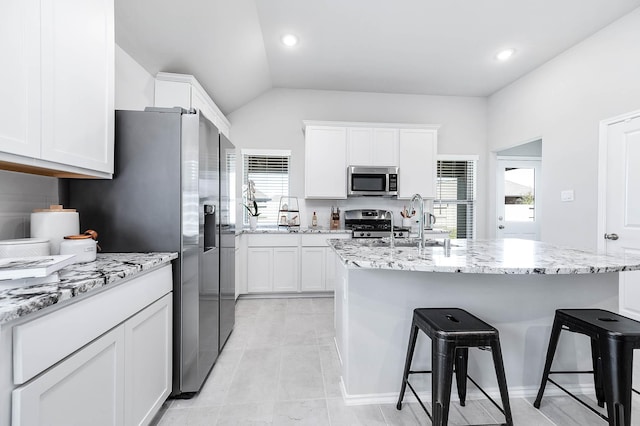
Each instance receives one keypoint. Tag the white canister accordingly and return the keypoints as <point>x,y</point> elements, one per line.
<point>53,224</point>
<point>84,249</point>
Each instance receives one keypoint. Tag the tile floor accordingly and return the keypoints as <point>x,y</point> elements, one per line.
<point>280,367</point>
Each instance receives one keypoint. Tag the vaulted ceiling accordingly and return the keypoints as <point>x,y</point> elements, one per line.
<point>234,48</point>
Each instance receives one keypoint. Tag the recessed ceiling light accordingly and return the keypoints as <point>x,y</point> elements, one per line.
<point>505,54</point>
<point>289,40</point>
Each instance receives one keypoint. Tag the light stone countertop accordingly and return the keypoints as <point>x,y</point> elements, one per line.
<point>284,230</point>
<point>507,256</point>
<point>76,280</point>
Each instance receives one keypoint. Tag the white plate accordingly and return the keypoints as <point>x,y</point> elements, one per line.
<point>24,247</point>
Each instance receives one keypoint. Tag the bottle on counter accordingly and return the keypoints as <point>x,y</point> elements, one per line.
<point>314,220</point>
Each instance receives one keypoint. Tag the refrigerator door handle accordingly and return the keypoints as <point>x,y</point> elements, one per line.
<point>209,227</point>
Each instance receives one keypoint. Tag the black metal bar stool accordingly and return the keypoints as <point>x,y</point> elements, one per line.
<point>613,339</point>
<point>452,332</point>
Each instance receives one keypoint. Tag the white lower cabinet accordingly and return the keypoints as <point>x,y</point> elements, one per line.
<point>259,269</point>
<point>289,263</point>
<point>330,269</point>
<point>272,269</point>
<point>147,361</point>
<point>312,268</point>
<point>285,268</point>
<point>318,262</point>
<point>85,389</point>
<point>120,377</point>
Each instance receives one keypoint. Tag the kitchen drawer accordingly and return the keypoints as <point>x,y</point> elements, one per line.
<point>273,240</point>
<point>42,342</point>
<point>320,240</point>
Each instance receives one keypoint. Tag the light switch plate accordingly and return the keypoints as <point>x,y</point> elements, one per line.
<point>566,195</point>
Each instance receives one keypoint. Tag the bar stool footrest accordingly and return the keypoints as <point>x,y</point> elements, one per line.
<point>399,405</point>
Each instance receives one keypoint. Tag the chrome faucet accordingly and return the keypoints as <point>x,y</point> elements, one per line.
<point>420,218</point>
<point>392,239</point>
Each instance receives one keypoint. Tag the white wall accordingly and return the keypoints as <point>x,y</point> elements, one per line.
<point>274,120</point>
<point>20,193</point>
<point>134,86</point>
<point>563,102</point>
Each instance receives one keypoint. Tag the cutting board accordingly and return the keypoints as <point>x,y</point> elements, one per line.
<point>12,268</point>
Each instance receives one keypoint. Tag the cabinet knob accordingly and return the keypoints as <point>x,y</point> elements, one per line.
<point>500,226</point>
<point>611,237</point>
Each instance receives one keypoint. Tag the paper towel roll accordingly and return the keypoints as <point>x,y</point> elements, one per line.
<point>54,225</point>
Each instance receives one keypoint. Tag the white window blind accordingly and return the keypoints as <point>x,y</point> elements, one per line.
<point>454,206</point>
<point>270,175</point>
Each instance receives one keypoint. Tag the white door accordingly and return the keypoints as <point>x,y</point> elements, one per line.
<point>517,209</point>
<point>622,205</point>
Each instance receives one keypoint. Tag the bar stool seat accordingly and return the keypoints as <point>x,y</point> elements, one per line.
<point>613,339</point>
<point>452,332</point>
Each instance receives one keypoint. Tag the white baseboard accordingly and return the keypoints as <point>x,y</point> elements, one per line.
<point>327,294</point>
<point>472,394</point>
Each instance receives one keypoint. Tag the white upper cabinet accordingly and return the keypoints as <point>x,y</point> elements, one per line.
<point>331,146</point>
<point>20,77</point>
<point>78,83</point>
<point>61,82</point>
<point>372,147</point>
<point>417,165</point>
<point>360,146</point>
<point>183,90</point>
<point>385,147</point>
<point>325,162</point>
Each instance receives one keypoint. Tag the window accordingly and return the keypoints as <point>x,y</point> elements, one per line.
<point>269,171</point>
<point>454,206</point>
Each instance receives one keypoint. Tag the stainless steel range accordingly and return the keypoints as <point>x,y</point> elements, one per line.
<point>370,223</point>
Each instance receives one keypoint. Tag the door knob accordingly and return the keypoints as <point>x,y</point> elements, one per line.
<point>500,226</point>
<point>611,237</point>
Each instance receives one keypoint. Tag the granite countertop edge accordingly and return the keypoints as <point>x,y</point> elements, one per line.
<point>77,280</point>
<point>293,231</point>
<point>505,257</point>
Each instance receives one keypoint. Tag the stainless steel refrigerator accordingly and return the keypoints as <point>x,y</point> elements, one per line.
<point>172,191</point>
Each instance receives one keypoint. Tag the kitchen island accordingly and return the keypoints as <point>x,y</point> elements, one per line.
<point>515,285</point>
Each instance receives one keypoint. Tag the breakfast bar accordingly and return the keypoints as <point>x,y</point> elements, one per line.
<point>515,285</point>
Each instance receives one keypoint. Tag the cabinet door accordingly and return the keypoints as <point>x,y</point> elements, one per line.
<point>385,148</point>
<point>330,269</point>
<point>325,174</point>
<point>148,357</point>
<point>312,268</point>
<point>259,269</point>
<point>360,146</point>
<point>77,56</point>
<point>85,389</point>
<point>285,269</point>
<point>170,94</point>
<point>20,77</point>
<point>417,174</point>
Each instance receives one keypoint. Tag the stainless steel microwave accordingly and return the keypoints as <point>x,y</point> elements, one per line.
<point>373,181</point>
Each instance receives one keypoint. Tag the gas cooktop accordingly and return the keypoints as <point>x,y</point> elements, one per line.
<point>371,223</point>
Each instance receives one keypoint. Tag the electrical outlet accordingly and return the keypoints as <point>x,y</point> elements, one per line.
<point>566,195</point>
